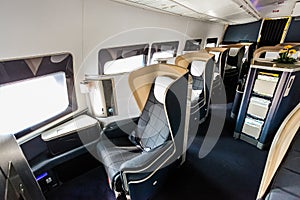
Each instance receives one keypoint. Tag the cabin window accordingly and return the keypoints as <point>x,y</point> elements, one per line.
<point>122,59</point>
<point>35,91</point>
<point>163,50</point>
<point>192,45</point>
<point>124,64</point>
<point>27,103</point>
<point>211,42</point>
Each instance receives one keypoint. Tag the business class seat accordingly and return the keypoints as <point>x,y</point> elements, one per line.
<point>235,58</point>
<point>221,55</point>
<point>286,183</point>
<point>281,177</point>
<point>136,156</point>
<point>233,69</point>
<point>201,68</point>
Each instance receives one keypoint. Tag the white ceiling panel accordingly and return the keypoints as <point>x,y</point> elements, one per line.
<point>276,9</point>
<point>205,6</point>
<point>223,11</point>
<point>296,10</point>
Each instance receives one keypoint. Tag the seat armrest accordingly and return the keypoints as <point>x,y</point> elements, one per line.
<point>149,161</point>
<point>120,128</point>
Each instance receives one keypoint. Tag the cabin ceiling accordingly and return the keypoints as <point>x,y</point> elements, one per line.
<point>221,11</point>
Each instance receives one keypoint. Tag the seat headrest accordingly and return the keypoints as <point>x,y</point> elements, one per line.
<point>198,67</point>
<point>160,86</point>
<point>233,51</point>
<point>217,55</point>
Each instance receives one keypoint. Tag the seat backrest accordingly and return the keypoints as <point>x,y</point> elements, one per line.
<point>202,74</point>
<point>278,149</point>
<point>221,55</point>
<point>286,184</point>
<point>152,129</point>
<point>197,69</point>
<point>158,98</point>
<point>201,66</point>
<point>235,56</point>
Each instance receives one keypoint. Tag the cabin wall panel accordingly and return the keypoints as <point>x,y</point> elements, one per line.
<point>82,27</point>
<point>31,28</point>
<point>111,24</point>
<point>108,24</point>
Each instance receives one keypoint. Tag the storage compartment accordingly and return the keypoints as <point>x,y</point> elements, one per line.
<point>270,95</point>
<point>72,134</point>
<point>258,107</point>
<point>252,127</point>
<point>265,84</point>
<point>100,95</point>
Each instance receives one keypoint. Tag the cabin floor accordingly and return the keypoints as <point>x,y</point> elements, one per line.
<point>231,171</point>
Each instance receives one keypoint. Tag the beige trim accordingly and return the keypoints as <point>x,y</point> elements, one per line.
<point>186,59</point>
<point>216,49</point>
<point>140,81</point>
<point>187,120</point>
<point>237,45</point>
<point>276,48</point>
<point>288,43</point>
<point>265,49</point>
<point>279,147</point>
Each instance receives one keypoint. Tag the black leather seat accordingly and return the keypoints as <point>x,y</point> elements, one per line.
<point>221,55</point>
<point>151,131</point>
<point>281,177</point>
<point>286,183</point>
<point>233,68</point>
<point>201,66</point>
<point>235,59</point>
<point>135,155</point>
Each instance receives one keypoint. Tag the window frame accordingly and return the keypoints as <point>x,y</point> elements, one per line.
<point>50,63</point>
<point>114,53</point>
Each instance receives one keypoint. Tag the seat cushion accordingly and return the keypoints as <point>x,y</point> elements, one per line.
<point>279,194</point>
<point>113,153</point>
<point>152,129</point>
<point>151,132</point>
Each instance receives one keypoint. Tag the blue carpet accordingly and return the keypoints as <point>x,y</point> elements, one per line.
<point>231,171</point>
<point>89,186</point>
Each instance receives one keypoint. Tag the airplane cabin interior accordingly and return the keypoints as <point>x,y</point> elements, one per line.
<point>150,99</point>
